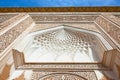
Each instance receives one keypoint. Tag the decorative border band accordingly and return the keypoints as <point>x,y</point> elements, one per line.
<point>61,9</point>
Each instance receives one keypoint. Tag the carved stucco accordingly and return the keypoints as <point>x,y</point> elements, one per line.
<point>11,29</point>
<point>4,17</point>
<point>87,75</point>
<point>110,28</point>
<point>10,21</point>
<point>112,18</point>
<point>9,36</point>
<point>39,18</point>
<point>88,26</point>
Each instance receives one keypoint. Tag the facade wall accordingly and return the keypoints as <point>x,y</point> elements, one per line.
<point>15,31</point>
<point>21,24</point>
<point>109,25</point>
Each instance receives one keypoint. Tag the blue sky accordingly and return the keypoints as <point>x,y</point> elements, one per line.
<point>57,3</point>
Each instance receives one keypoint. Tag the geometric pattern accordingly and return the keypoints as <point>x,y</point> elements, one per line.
<point>69,43</point>
<point>86,75</point>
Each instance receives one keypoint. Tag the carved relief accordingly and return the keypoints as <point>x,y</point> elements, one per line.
<point>4,17</point>
<point>113,18</point>
<point>62,18</point>
<point>64,76</point>
<point>19,64</point>
<point>88,26</point>
<point>10,21</point>
<point>118,16</point>
<point>63,37</point>
<point>7,38</point>
<point>65,67</point>
<point>112,29</point>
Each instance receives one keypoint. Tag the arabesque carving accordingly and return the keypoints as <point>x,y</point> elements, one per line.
<point>11,21</point>
<point>110,28</point>
<point>62,18</point>
<point>8,37</point>
<point>87,75</point>
<point>4,17</point>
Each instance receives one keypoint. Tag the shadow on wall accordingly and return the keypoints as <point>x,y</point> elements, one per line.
<point>5,72</point>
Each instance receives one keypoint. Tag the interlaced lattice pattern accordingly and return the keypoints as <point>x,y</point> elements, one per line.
<point>56,45</point>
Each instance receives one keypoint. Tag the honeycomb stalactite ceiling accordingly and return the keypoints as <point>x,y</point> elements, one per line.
<point>60,45</point>
<point>85,46</point>
<point>63,40</point>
